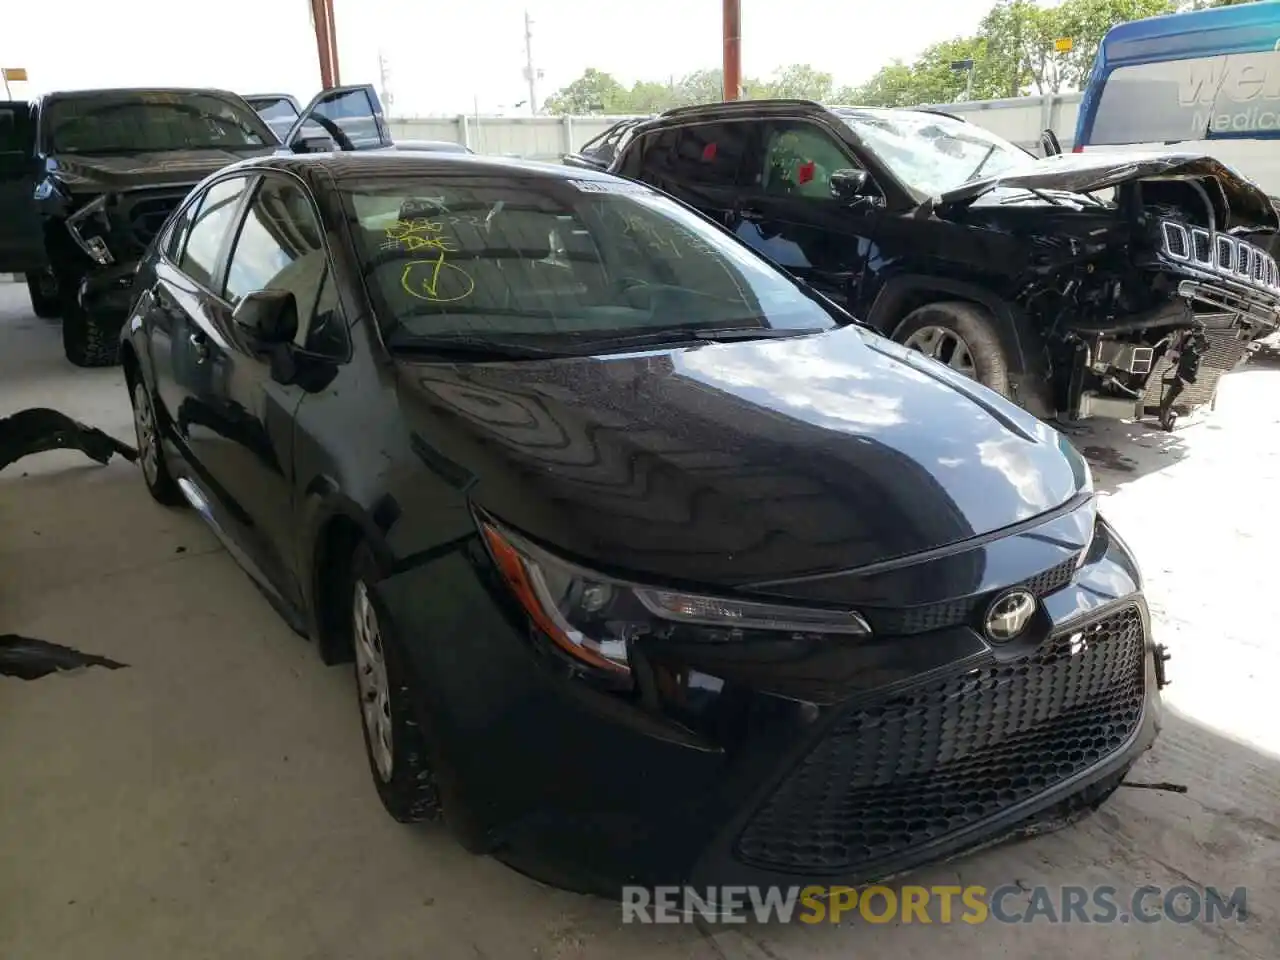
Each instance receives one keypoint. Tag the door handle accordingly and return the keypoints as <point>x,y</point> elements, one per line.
<point>200,345</point>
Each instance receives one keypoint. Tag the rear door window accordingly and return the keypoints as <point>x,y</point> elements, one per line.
<point>704,154</point>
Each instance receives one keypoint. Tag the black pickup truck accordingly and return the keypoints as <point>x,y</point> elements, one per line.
<point>87,178</point>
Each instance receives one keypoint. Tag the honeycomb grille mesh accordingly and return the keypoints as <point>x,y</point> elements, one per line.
<point>905,621</point>
<point>928,762</point>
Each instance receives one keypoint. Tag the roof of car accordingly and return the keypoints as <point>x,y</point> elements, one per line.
<point>119,91</point>
<point>384,163</point>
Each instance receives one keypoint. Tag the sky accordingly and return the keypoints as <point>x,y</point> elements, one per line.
<point>446,58</point>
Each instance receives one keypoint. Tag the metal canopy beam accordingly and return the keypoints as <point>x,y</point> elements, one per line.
<point>326,42</point>
<point>732,49</point>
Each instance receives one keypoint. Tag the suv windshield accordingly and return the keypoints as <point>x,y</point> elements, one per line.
<point>558,263</point>
<point>137,122</point>
<point>931,153</point>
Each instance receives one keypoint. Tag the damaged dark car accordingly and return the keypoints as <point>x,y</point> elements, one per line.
<point>654,565</point>
<point>88,177</point>
<point>1079,286</point>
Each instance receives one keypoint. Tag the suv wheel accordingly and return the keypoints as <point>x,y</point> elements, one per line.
<point>961,335</point>
<point>88,339</point>
<point>44,295</point>
<point>384,683</point>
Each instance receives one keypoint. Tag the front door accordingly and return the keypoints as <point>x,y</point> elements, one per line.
<point>21,235</point>
<point>348,118</point>
<point>789,213</point>
<point>245,440</point>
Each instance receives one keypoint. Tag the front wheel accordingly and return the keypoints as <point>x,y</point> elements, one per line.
<point>88,339</point>
<point>961,335</point>
<point>384,683</point>
<point>43,290</point>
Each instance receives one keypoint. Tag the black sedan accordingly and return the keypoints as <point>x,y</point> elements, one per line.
<point>654,566</point>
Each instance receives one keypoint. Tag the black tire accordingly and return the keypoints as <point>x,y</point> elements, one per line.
<point>408,790</point>
<point>975,327</point>
<point>44,304</point>
<point>155,473</point>
<point>88,340</point>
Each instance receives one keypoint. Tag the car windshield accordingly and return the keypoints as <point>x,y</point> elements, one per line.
<point>932,153</point>
<point>138,122</point>
<point>560,264</point>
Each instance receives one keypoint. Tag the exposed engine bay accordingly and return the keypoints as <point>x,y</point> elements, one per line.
<point>1157,304</point>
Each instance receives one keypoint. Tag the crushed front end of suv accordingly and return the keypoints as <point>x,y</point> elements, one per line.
<point>88,178</point>
<point>1080,286</point>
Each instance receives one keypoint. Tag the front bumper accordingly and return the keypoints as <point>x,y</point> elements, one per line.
<point>757,783</point>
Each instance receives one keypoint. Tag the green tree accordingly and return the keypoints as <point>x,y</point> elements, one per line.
<point>593,92</point>
<point>799,81</point>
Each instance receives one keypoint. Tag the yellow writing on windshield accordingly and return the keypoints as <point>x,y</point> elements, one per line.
<point>643,230</point>
<point>433,277</point>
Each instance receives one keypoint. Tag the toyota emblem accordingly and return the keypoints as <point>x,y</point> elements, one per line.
<point>1009,615</point>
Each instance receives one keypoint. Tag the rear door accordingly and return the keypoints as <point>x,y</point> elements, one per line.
<point>350,117</point>
<point>21,236</point>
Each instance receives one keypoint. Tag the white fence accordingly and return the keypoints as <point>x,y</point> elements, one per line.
<point>547,138</point>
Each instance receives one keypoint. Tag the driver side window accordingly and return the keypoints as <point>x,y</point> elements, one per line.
<point>799,159</point>
<point>280,247</point>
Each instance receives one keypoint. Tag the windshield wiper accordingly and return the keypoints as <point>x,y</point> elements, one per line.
<point>725,334</point>
<point>981,163</point>
<point>475,349</point>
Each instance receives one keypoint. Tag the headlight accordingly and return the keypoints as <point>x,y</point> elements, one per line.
<point>596,618</point>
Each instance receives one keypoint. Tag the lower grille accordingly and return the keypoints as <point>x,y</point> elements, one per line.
<point>923,764</point>
<point>1226,351</point>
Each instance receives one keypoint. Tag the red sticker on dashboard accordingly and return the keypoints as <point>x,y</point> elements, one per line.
<point>709,152</point>
<point>804,172</point>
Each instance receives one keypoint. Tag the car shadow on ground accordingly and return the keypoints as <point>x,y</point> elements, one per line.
<point>1121,451</point>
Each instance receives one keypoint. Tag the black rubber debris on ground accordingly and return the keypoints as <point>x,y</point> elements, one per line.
<point>29,659</point>
<point>40,429</point>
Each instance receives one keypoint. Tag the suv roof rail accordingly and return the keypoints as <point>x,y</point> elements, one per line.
<point>740,106</point>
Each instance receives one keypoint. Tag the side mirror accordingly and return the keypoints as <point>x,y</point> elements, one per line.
<point>320,144</point>
<point>1049,144</point>
<point>270,317</point>
<point>849,185</point>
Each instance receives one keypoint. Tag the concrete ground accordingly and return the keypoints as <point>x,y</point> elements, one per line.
<point>212,800</point>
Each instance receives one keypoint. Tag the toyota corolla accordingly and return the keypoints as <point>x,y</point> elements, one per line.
<point>654,565</point>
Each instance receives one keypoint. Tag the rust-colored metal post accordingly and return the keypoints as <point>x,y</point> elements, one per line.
<point>732,49</point>
<point>326,42</point>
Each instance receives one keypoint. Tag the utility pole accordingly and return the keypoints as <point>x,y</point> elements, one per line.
<point>732,35</point>
<point>530,74</point>
<point>384,91</point>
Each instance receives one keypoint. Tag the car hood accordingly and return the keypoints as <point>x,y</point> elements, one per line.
<point>735,463</point>
<point>1081,173</point>
<point>109,172</point>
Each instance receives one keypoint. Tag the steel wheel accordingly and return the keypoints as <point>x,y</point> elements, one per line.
<point>144,426</point>
<point>945,346</point>
<point>371,675</point>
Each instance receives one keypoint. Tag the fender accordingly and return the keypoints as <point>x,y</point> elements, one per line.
<point>1024,345</point>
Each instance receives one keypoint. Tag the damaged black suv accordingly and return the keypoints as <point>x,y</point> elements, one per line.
<point>1080,286</point>
<point>87,178</point>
